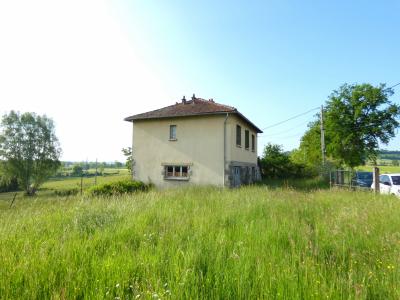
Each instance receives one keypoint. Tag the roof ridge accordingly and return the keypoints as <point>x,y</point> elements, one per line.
<point>194,107</point>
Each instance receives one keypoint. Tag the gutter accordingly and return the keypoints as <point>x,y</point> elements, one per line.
<point>223,179</point>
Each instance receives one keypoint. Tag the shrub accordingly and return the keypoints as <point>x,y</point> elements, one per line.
<point>118,188</point>
<point>8,184</point>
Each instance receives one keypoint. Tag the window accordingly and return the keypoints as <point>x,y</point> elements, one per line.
<point>176,172</point>
<point>172,132</point>
<point>396,180</point>
<point>246,140</point>
<point>384,179</point>
<point>238,136</point>
<point>253,143</point>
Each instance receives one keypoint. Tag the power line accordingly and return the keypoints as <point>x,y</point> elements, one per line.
<point>294,117</point>
<point>283,137</point>
<point>393,86</point>
<point>304,113</point>
<point>285,131</point>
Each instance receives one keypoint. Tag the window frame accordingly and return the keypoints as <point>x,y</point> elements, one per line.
<point>238,135</point>
<point>246,139</point>
<point>172,133</point>
<point>174,175</point>
<point>253,142</point>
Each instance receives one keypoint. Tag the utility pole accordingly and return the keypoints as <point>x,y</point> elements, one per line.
<point>322,136</point>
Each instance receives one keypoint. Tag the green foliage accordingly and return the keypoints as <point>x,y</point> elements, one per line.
<point>275,163</point>
<point>118,188</point>
<point>395,162</point>
<point>357,118</point>
<point>202,243</point>
<point>77,170</point>
<point>29,149</point>
<point>129,158</point>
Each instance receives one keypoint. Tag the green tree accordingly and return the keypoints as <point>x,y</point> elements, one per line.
<point>77,170</point>
<point>358,118</point>
<point>129,158</point>
<point>29,149</point>
<point>395,162</point>
<point>275,163</point>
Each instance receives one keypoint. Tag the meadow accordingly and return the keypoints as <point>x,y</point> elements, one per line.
<point>199,243</point>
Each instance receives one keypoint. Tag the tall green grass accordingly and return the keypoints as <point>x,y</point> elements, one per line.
<point>200,243</point>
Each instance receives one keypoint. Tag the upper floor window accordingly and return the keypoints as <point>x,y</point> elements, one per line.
<point>253,142</point>
<point>238,136</point>
<point>246,139</point>
<point>172,132</point>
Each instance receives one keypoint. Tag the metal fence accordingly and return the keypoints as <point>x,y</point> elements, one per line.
<point>350,179</point>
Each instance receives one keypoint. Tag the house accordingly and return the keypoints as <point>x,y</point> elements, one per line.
<point>194,141</point>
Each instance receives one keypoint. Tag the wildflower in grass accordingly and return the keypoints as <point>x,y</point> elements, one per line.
<point>117,285</point>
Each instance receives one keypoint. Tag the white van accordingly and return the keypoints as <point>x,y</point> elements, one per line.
<point>389,184</point>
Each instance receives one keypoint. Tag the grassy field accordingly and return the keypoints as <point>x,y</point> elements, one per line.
<point>75,182</point>
<point>198,243</point>
<point>382,169</point>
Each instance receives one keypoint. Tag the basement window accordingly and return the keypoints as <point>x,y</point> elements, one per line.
<point>176,172</point>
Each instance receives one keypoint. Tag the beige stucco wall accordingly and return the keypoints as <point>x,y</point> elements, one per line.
<point>235,153</point>
<point>200,142</point>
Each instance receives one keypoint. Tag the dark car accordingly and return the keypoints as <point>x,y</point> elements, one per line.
<point>362,179</point>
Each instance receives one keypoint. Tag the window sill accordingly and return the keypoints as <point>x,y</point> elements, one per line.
<point>239,146</point>
<point>177,178</point>
<point>173,140</point>
<point>247,149</point>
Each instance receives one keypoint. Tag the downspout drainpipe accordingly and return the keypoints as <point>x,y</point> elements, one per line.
<point>223,179</point>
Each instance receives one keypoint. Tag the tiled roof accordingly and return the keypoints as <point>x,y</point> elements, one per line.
<point>194,107</point>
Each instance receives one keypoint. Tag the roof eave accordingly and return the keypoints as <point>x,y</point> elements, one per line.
<point>132,118</point>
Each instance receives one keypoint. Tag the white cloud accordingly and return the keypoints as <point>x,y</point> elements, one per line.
<point>72,61</point>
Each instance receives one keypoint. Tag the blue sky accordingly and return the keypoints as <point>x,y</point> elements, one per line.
<point>101,61</point>
<point>270,59</point>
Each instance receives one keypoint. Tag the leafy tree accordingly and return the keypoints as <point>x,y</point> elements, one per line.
<point>101,168</point>
<point>77,170</point>
<point>395,162</point>
<point>357,118</point>
<point>129,159</point>
<point>277,164</point>
<point>309,152</point>
<point>29,148</point>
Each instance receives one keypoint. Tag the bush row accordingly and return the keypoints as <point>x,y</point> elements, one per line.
<point>118,188</point>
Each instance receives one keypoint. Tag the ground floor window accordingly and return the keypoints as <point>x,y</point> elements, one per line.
<point>176,172</point>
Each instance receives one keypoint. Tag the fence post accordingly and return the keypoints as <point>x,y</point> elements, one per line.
<point>376,180</point>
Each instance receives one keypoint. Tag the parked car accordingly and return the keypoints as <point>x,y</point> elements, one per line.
<point>362,179</point>
<point>389,184</point>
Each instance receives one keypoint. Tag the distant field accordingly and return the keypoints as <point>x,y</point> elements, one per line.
<point>75,182</point>
<point>68,183</point>
<point>202,243</point>
<point>382,169</point>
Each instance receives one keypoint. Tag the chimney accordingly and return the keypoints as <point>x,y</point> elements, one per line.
<point>184,100</point>
<point>211,100</point>
<point>193,97</point>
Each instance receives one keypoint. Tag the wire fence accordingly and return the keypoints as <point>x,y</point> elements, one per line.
<point>350,179</point>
